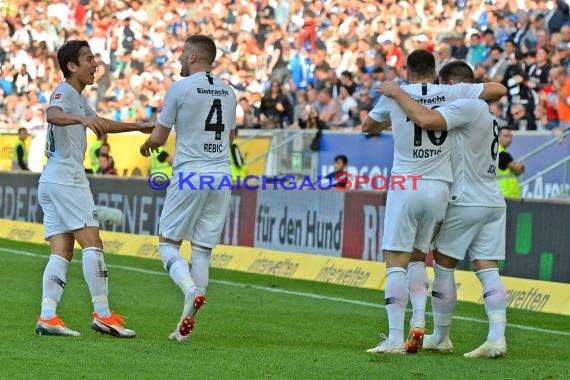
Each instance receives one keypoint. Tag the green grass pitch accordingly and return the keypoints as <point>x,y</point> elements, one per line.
<point>253,327</point>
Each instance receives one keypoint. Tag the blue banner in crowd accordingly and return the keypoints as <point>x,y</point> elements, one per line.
<point>374,155</point>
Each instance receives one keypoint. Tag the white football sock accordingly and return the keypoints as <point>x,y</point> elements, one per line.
<point>96,276</point>
<point>53,284</point>
<point>396,300</point>
<point>443,300</point>
<point>418,288</point>
<point>176,267</point>
<point>201,266</point>
<point>495,298</point>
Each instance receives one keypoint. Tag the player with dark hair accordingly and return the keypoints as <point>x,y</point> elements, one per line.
<point>475,220</point>
<point>65,198</point>
<point>203,109</point>
<point>413,215</point>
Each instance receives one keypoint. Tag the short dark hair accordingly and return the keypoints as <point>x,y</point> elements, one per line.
<point>22,129</point>
<point>204,44</point>
<point>421,63</point>
<point>457,71</point>
<point>69,53</point>
<point>501,129</point>
<point>341,157</point>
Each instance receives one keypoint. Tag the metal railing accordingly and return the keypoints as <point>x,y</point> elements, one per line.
<point>552,167</point>
<point>542,147</point>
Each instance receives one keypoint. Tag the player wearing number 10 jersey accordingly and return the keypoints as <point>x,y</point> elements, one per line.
<point>203,109</point>
<point>475,221</point>
<point>413,215</point>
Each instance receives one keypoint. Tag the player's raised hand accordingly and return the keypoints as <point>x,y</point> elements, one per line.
<point>147,148</point>
<point>389,88</point>
<point>96,124</point>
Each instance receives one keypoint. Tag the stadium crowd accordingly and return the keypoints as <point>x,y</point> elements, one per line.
<point>307,64</point>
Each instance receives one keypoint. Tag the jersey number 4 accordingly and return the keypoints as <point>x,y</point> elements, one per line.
<point>217,126</point>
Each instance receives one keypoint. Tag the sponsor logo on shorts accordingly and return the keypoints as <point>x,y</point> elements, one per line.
<point>95,215</point>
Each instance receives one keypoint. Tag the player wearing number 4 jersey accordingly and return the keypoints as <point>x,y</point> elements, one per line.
<point>413,215</point>
<point>67,203</point>
<point>475,218</point>
<point>203,109</point>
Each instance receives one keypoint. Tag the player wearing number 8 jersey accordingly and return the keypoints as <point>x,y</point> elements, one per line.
<point>475,221</point>
<point>203,110</point>
<point>412,216</point>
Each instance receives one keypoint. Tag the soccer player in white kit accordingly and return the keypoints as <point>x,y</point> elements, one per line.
<point>475,221</point>
<point>203,109</point>
<point>413,215</point>
<point>65,198</point>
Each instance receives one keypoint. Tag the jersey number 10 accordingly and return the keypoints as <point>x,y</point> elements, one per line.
<point>435,140</point>
<point>218,126</point>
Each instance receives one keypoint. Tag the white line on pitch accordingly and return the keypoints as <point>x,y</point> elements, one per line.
<point>295,293</point>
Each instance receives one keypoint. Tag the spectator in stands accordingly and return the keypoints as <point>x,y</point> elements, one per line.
<point>538,73</point>
<point>105,167</point>
<point>496,64</point>
<point>443,55</point>
<point>275,109</point>
<point>548,105</point>
<point>106,149</point>
<point>247,115</point>
<point>22,81</point>
<point>339,173</point>
<point>330,111</point>
<point>20,152</point>
<point>476,49</point>
<point>348,106</point>
<point>519,94</point>
<point>309,119</point>
<point>561,85</point>
<point>509,169</point>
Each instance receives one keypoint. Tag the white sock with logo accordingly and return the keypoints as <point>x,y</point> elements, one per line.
<point>176,267</point>
<point>396,300</point>
<point>96,276</point>
<point>53,284</point>
<point>418,287</point>
<point>495,298</point>
<point>201,258</point>
<point>443,300</point>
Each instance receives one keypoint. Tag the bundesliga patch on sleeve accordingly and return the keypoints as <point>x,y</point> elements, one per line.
<point>57,96</point>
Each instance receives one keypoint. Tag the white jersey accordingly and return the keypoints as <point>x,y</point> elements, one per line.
<point>66,145</point>
<point>203,108</point>
<point>417,151</point>
<point>474,158</point>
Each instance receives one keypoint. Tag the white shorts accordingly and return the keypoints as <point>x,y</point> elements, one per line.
<point>413,216</point>
<point>194,215</point>
<point>66,208</point>
<point>477,230</point>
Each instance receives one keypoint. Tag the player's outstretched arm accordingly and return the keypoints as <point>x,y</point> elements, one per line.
<point>59,118</point>
<point>420,115</point>
<point>493,91</point>
<point>156,139</point>
<point>120,127</point>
